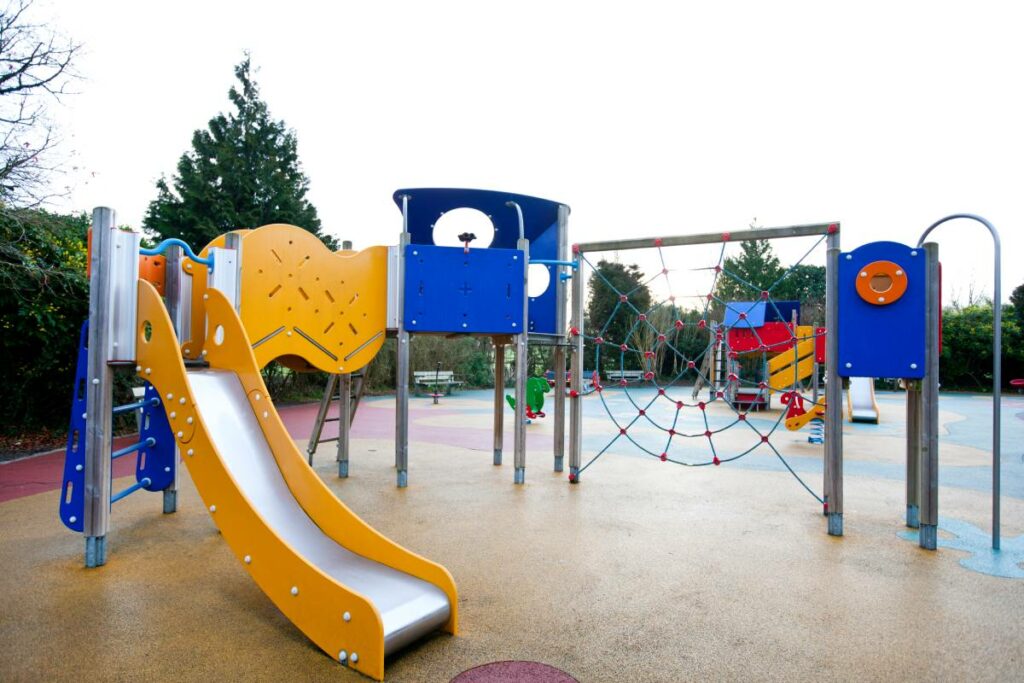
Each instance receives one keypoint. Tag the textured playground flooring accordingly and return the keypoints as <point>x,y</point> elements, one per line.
<point>646,571</point>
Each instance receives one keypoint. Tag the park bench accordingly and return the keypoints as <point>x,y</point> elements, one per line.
<point>628,375</point>
<point>435,381</point>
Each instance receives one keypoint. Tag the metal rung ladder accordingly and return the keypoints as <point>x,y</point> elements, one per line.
<point>346,390</point>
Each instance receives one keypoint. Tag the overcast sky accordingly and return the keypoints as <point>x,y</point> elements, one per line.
<point>646,119</point>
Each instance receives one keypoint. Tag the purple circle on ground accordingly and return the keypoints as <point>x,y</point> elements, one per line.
<point>514,672</point>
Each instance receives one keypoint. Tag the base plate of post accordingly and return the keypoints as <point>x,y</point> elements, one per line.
<point>835,524</point>
<point>913,517</point>
<point>170,501</point>
<point>343,468</point>
<point>574,475</point>
<point>928,536</point>
<point>95,551</point>
<point>520,475</point>
<point>403,479</point>
<point>497,456</point>
<point>559,466</point>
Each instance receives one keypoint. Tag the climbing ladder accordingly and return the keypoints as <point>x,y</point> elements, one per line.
<point>345,390</point>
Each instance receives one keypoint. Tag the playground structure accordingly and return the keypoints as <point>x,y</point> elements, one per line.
<point>198,328</point>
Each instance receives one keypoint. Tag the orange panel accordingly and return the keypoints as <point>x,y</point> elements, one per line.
<point>153,270</point>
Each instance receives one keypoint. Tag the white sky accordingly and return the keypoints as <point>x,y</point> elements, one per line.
<point>646,119</point>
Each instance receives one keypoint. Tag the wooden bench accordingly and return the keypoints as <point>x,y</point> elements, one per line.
<point>435,381</point>
<point>628,375</point>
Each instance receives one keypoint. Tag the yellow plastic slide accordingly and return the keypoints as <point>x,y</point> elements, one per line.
<point>786,369</point>
<point>358,595</point>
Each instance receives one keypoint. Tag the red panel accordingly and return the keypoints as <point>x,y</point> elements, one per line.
<point>777,336</point>
<point>819,345</point>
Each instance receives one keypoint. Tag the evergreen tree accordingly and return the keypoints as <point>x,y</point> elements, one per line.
<point>243,172</point>
<point>756,265</point>
<point>608,317</point>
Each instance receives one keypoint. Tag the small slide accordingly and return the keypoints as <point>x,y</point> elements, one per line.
<point>788,368</point>
<point>355,593</point>
<point>860,400</point>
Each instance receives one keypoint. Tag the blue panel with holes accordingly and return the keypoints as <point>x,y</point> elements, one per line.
<point>156,462</point>
<point>540,227</point>
<point>72,491</point>
<point>882,340</point>
<point>448,289</point>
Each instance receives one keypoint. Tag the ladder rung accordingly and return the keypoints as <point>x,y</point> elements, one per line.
<point>331,419</point>
<point>328,440</point>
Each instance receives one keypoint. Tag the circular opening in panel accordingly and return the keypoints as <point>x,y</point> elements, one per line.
<point>218,335</point>
<point>147,331</point>
<point>538,279</point>
<point>881,283</point>
<point>449,226</point>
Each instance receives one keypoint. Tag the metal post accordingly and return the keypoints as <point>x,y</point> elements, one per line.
<point>913,452</point>
<point>815,381</point>
<point>929,462</point>
<point>402,362</point>
<point>499,400</point>
<point>997,361</point>
<point>833,393</point>
<point>344,422</point>
<point>522,361</point>
<point>576,374</point>
<point>99,393</point>
<point>177,307</point>
<point>558,359</point>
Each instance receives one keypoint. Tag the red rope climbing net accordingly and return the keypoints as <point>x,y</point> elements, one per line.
<point>648,405</point>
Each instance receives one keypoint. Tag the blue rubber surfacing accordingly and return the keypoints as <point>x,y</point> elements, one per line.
<point>1006,562</point>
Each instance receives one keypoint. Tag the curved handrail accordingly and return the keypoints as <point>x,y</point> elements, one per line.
<point>175,242</point>
<point>997,360</point>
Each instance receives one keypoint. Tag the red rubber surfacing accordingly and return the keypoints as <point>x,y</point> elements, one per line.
<point>514,672</point>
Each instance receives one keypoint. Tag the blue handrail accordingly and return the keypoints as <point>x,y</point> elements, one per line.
<point>555,262</point>
<point>175,242</point>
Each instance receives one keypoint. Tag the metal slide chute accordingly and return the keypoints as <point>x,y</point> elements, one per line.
<point>861,405</point>
<point>352,591</point>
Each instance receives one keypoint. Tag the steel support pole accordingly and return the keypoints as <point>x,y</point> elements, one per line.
<point>558,355</point>
<point>344,422</point>
<point>997,361</point>
<point>499,400</point>
<point>913,452</point>
<point>558,361</point>
<point>522,364</point>
<point>402,362</point>
<point>576,374</point>
<point>929,462</point>
<point>99,393</point>
<point>176,310</point>
<point>833,394</point>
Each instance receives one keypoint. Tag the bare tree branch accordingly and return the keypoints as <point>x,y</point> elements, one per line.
<point>35,67</point>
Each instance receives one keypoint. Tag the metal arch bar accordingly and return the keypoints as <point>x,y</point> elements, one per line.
<point>148,443</point>
<point>997,361</point>
<point>745,235</point>
<point>130,490</point>
<point>175,242</point>
<point>555,262</point>
<point>129,407</point>
<point>519,212</point>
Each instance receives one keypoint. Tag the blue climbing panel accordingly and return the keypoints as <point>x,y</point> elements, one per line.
<point>72,493</point>
<point>449,290</point>
<point>156,462</point>
<point>882,340</point>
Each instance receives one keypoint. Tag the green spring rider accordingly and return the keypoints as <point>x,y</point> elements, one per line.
<point>536,387</point>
